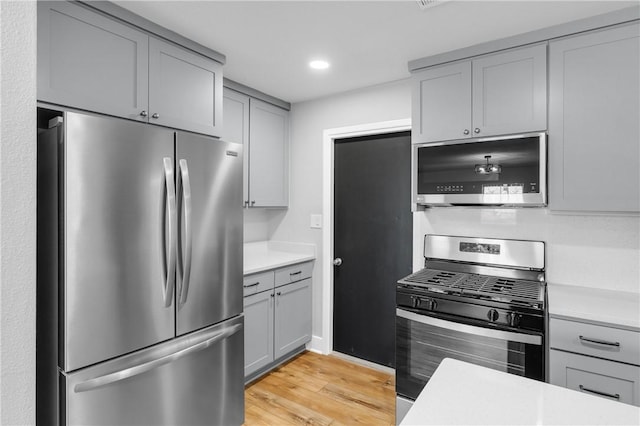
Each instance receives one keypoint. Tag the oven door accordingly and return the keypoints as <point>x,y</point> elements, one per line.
<point>423,341</point>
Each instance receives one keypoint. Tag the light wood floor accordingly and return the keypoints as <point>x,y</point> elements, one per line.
<point>321,390</point>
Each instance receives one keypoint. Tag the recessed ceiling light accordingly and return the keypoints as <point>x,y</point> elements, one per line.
<point>319,65</point>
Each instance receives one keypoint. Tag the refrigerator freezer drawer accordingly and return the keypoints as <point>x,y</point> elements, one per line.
<point>194,380</point>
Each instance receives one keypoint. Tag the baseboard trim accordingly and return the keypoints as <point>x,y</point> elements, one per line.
<point>364,363</point>
<point>317,345</point>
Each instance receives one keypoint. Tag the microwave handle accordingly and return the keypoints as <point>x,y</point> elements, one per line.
<point>470,329</point>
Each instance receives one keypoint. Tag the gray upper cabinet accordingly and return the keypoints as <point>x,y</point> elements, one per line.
<point>496,94</point>
<point>510,92</point>
<point>235,107</point>
<point>263,129</point>
<point>91,62</point>
<point>594,131</point>
<point>441,103</point>
<point>185,89</point>
<point>268,155</point>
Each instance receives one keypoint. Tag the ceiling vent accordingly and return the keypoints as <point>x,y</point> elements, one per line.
<point>426,4</point>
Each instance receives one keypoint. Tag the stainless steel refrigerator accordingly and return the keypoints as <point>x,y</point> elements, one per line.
<point>139,274</point>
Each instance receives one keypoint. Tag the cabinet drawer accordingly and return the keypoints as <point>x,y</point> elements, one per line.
<point>257,283</point>
<point>595,340</point>
<point>293,273</point>
<point>598,377</point>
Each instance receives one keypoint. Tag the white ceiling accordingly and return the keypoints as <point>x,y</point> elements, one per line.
<point>268,44</point>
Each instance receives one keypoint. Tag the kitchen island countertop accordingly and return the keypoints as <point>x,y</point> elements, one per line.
<point>463,393</point>
<point>264,255</point>
<point>605,307</point>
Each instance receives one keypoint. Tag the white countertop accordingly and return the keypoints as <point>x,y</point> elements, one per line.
<point>462,393</point>
<point>606,307</point>
<point>264,255</point>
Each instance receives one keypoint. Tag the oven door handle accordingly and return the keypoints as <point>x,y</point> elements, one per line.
<point>470,329</point>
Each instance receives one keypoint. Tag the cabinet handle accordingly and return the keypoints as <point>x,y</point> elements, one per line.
<point>155,115</point>
<point>608,395</point>
<point>599,342</point>
<point>272,295</point>
<point>476,130</point>
<point>466,131</point>
<point>143,113</point>
<point>251,285</point>
<point>295,273</point>
<point>253,203</point>
<point>279,293</point>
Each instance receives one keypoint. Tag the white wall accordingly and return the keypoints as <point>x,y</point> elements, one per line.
<point>593,251</point>
<point>391,101</point>
<point>17,212</point>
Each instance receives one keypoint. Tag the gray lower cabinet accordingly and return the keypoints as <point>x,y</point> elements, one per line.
<point>292,317</point>
<point>263,129</point>
<point>496,94</point>
<point>595,359</point>
<point>594,105</point>
<point>258,332</point>
<point>89,61</point>
<point>278,320</point>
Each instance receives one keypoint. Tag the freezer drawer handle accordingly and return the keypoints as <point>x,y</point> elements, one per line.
<point>168,266</point>
<point>184,267</point>
<point>107,379</point>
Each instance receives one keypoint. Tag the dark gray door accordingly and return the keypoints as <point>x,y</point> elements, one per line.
<point>209,258</point>
<point>373,239</point>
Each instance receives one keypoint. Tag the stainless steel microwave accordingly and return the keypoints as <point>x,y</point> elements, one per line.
<point>497,171</point>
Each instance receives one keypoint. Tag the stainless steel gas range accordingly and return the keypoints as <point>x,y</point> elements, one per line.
<point>479,300</point>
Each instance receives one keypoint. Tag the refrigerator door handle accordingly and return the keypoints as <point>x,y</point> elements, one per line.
<point>117,376</point>
<point>184,266</point>
<point>168,266</point>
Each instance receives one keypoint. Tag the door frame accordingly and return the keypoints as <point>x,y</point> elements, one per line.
<point>324,344</point>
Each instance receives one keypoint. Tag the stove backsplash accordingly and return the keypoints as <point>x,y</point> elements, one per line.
<point>592,251</point>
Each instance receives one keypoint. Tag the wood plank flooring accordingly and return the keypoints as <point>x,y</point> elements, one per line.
<point>321,390</point>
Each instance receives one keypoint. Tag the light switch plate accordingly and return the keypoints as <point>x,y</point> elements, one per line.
<point>316,221</point>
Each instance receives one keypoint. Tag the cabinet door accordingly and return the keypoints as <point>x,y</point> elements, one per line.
<point>510,92</point>
<point>594,376</point>
<point>268,155</point>
<point>594,105</point>
<point>258,331</point>
<point>88,61</point>
<point>236,129</point>
<point>442,103</point>
<point>185,89</point>
<point>292,317</point>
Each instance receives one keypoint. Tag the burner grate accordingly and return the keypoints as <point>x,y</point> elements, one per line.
<point>520,289</point>
<point>434,276</point>
<point>499,288</point>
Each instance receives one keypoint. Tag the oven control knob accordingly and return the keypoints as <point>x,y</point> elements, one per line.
<point>513,319</point>
<point>431,304</point>
<point>493,315</point>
